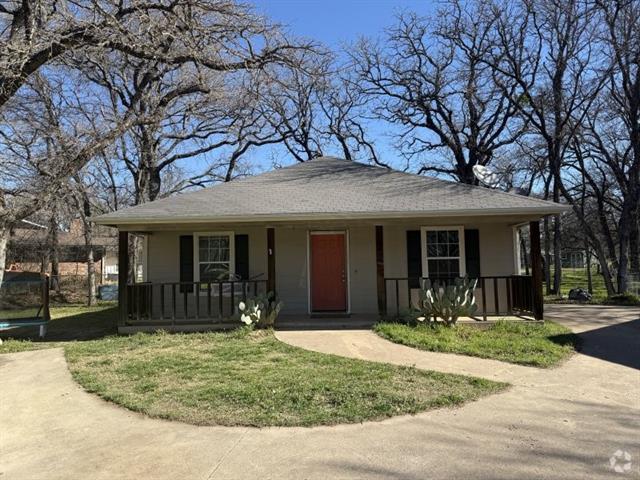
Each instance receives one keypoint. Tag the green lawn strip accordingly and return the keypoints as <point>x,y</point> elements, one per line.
<point>540,345</point>
<point>251,378</point>
<point>68,323</point>
<point>577,278</point>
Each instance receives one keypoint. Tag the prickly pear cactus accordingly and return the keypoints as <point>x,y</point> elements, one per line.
<point>448,302</point>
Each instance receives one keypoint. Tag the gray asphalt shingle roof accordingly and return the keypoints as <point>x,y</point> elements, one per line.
<point>328,187</point>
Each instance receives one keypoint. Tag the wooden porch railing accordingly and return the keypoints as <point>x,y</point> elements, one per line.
<point>495,295</point>
<point>171,303</point>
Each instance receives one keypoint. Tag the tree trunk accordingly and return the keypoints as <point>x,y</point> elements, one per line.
<point>91,277</point>
<point>148,179</point>
<point>54,252</point>
<point>587,255</point>
<point>4,241</point>
<point>557,243</point>
<point>91,268</point>
<point>133,256</point>
<point>604,269</point>
<point>547,256</point>
<point>624,230</point>
<point>634,244</point>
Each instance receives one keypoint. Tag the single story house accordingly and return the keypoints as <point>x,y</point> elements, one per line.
<point>331,237</point>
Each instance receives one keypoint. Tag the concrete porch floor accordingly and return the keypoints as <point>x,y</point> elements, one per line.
<point>365,322</point>
<point>301,322</point>
<point>328,322</point>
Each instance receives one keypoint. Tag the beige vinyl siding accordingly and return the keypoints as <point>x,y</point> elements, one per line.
<point>362,269</point>
<point>496,251</point>
<point>163,254</point>
<point>291,268</point>
<point>496,259</point>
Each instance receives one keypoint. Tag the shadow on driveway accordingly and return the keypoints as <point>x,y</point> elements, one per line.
<point>619,343</point>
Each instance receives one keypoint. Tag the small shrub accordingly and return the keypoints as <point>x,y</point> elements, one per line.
<point>262,310</point>
<point>627,298</point>
<point>446,302</point>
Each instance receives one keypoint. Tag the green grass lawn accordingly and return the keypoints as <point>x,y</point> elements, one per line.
<point>251,378</point>
<point>21,313</point>
<point>577,278</point>
<point>540,345</point>
<point>238,378</point>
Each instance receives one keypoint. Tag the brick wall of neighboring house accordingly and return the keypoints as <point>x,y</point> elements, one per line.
<point>27,249</point>
<point>65,268</point>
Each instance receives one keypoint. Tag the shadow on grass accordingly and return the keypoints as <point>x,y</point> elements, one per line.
<point>567,339</point>
<point>69,326</point>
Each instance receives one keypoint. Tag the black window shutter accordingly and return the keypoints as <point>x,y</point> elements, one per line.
<point>242,256</point>
<point>472,252</point>
<point>414,258</point>
<point>186,262</point>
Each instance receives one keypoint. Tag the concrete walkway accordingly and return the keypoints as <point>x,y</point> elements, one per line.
<point>563,423</point>
<point>366,345</point>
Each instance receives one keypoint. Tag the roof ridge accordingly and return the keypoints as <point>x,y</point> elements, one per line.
<point>467,185</point>
<point>335,186</point>
<point>437,179</point>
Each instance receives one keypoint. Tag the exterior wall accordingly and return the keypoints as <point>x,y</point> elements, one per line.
<point>496,259</point>
<point>163,266</point>
<point>64,268</point>
<point>163,252</point>
<point>496,247</point>
<point>362,271</point>
<point>292,267</point>
<point>291,247</point>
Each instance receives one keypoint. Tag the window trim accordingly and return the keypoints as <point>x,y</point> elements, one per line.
<point>196,251</point>
<point>423,248</point>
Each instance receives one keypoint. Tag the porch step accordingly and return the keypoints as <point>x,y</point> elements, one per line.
<point>326,323</point>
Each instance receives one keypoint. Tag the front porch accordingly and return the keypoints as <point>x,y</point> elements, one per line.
<point>372,291</point>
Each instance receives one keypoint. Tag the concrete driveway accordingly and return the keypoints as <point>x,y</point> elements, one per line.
<point>563,423</point>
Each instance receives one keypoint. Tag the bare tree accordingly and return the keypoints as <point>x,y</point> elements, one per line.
<point>80,190</point>
<point>292,108</point>
<point>546,50</point>
<point>320,108</point>
<point>576,64</point>
<point>217,34</point>
<point>194,35</point>
<point>434,84</point>
<point>614,127</point>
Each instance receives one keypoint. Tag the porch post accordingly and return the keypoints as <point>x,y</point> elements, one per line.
<point>382,294</point>
<point>123,271</point>
<point>536,270</point>
<point>271,259</point>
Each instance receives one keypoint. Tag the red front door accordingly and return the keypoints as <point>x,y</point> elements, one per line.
<point>328,273</point>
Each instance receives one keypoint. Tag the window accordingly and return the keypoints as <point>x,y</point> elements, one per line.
<point>443,252</point>
<point>214,256</point>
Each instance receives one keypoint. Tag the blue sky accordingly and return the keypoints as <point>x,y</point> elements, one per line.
<point>337,23</point>
<point>334,22</point>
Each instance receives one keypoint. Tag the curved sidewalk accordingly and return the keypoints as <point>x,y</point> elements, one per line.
<point>563,423</point>
<point>366,345</point>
